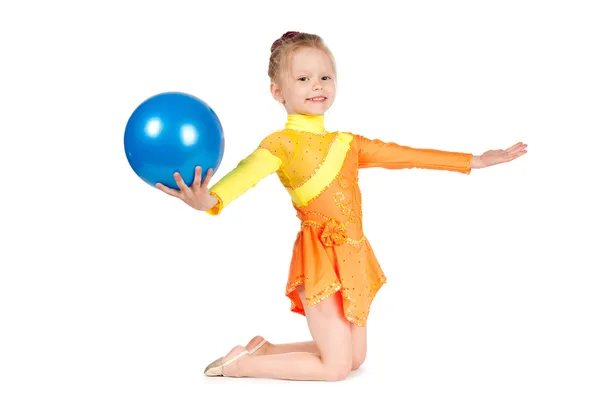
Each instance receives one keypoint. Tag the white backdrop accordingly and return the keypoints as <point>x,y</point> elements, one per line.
<point>110,289</point>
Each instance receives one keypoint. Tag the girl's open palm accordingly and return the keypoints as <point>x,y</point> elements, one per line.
<point>493,157</point>
<point>196,196</point>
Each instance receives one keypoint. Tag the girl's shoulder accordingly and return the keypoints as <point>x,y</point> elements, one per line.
<point>275,138</point>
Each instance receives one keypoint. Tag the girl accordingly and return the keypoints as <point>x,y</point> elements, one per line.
<point>333,275</point>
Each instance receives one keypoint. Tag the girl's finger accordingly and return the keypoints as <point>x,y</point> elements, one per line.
<point>517,154</point>
<point>520,153</point>
<point>168,190</point>
<point>209,174</point>
<point>514,147</point>
<point>197,177</point>
<point>182,186</point>
<point>518,150</point>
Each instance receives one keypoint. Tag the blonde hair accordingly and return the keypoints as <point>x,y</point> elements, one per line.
<point>284,47</point>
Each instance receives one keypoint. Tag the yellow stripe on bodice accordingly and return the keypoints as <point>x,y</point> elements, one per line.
<point>331,166</point>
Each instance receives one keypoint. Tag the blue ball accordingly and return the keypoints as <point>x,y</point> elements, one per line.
<point>173,132</point>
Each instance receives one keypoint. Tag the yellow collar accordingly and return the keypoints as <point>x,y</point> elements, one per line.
<point>306,123</point>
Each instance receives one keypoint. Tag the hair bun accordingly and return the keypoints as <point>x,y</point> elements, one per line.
<point>287,35</point>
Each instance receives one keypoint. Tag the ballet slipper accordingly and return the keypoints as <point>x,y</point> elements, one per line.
<point>216,367</point>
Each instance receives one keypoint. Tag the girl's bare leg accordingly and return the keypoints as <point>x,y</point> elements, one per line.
<point>359,346</point>
<point>272,348</point>
<point>332,335</point>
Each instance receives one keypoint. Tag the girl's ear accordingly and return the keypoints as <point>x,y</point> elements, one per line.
<point>276,92</point>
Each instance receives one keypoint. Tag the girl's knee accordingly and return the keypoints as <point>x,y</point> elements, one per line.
<point>338,371</point>
<point>338,365</point>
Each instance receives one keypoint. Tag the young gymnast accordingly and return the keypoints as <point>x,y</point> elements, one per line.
<point>333,275</point>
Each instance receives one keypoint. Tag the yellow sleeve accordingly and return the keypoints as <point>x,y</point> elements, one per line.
<point>389,155</point>
<point>251,170</point>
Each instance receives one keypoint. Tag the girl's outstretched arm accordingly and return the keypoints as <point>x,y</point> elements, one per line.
<point>251,170</point>
<point>246,175</point>
<point>376,153</point>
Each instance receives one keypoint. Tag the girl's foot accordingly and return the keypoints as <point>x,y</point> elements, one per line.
<point>231,369</point>
<point>257,341</point>
<point>228,365</point>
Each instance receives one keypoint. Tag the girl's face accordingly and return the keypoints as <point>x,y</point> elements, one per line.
<point>308,86</point>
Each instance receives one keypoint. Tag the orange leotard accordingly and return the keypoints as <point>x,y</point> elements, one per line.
<point>319,169</point>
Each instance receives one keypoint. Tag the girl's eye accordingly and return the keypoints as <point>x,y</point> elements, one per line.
<point>326,78</point>
<point>303,78</point>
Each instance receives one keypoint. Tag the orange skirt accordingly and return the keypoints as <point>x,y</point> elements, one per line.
<point>325,266</point>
